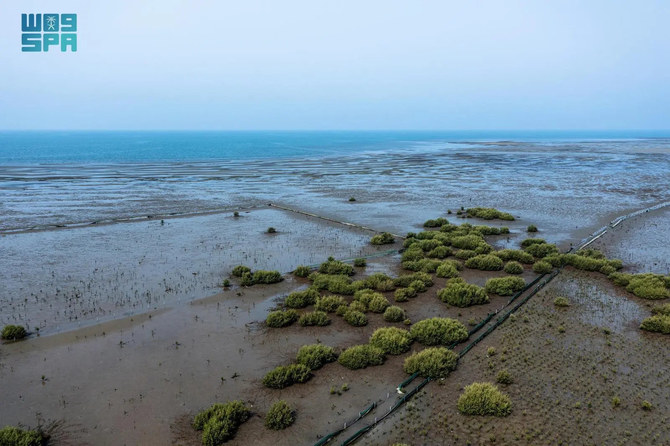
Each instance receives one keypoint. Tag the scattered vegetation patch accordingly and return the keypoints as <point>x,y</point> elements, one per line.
<point>220,422</point>
<point>542,267</point>
<point>647,286</point>
<point>280,416</point>
<point>447,270</point>
<point>385,238</point>
<point>541,250</point>
<point>315,356</point>
<point>314,318</point>
<point>239,270</point>
<point>14,436</point>
<point>332,266</point>
<point>514,254</point>
<point>484,399</point>
<point>361,356</point>
<point>301,299</point>
<point>394,314</point>
<point>459,293</point>
<point>423,265</point>
<point>302,271</point>
<point>561,301</point>
<point>379,282</point>
<point>504,377</point>
<point>391,340</point>
<point>489,214</point>
<point>329,304</point>
<point>513,267</point>
<point>433,362</point>
<point>360,262</point>
<point>267,277</point>
<point>505,286</point>
<point>439,331</point>
<point>338,284</point>
<point>287,375</point>
<point>281,318</point>
<point>408,279</point>
<point>403,294</point>
<point>531,228</point>
<point>436,223</point>
<point>658,323</point>
<point>487,262</point>
<point>271,230</point>
<point>491,230</point>
<point>355,318</point>
<point>13,332</point>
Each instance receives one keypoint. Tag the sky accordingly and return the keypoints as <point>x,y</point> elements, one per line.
<point>364,64</point>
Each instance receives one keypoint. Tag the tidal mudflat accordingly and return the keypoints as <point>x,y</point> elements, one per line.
<point>132,331</point>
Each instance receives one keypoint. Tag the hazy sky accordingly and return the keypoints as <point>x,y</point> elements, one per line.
<point>364,64</point>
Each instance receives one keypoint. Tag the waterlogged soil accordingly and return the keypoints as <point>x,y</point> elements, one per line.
<point>69,278</point>
<point>140,379</point>
<point>568,365</point>
<point>641,242</point>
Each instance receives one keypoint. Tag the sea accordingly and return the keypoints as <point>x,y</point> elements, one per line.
<point>54,179</point>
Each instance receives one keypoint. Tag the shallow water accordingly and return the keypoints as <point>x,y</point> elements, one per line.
<point>61,279</point>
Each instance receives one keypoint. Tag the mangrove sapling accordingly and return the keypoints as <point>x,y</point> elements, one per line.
<point>489,214</point>
<point>13,332</point>
<point>332,266</point>
<point>239,270</point>
<point>281,318</point>
<point>355,318</point>
<point>361,356</point>
<point>315,356</point>
<point>357,306</point>
<point>561,301</point>
<point>379,282</point>
<point>436,223</point>
<point>531,228</point>
<point>505,286</point>
<point>406,279</point>
<point>542,267</point>
<point>513,267</point>
<point>647,285</point>
<point>441,252</point>
<point>504,377</point>
<point>14,436</point>
<point>271,230</point>
<point>301,299</point>
<point>432,362</point>
<point>391,340</point>
<point>540,250</point>
<point>446,270</point>
<point>267,277</point>
<point>514,254</point>
<point>337,283</point>
<point>485,262</point>
<point>403,294</point>
<point>394,314</point>
<point>220,422</point>
<point>287,375</point>
<point>360,262</point>
<point>302,271</point>
<point>659,323</point>
<point>461,294</point>
<point>280,416</point>
<point>484,399</point>
<point>439,331</point>
<point>314,319</point>
<point>329,304</point>
<point>385,238</point>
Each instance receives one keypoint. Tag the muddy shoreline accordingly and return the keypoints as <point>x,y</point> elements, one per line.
<point>139,378</point>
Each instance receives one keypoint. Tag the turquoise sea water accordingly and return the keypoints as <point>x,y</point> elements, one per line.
<point>52,179</point>
<point>109,147</point>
